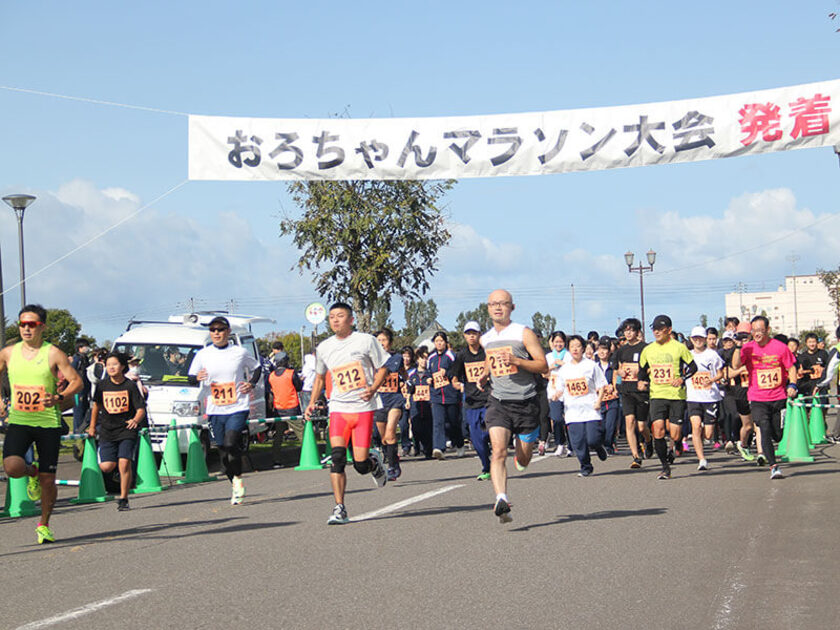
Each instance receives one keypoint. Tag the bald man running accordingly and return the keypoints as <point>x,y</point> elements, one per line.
<point>514,360</point>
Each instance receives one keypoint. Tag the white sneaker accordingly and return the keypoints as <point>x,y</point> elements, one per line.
<point>461,451</point>
<point>378,472</point>
<point>437,453</point>
<point>561,450</point>
<point>237,491</point>
<point>703,465</point>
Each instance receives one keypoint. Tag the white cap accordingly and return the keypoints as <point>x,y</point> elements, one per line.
<point>472,325</point>
<point>698,331</point>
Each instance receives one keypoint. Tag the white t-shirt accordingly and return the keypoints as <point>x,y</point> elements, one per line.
<point>226,369</point>
<point>551,358</point>
<point>307,373</point>
<point>699,388</point>
<point>579,384</point>
<point>352,362</point>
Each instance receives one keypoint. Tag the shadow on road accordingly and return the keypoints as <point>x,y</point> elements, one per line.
<point>593,516</point>
<point>430,512</point>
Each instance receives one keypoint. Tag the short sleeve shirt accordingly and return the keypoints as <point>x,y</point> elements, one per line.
<point>699,388</point>
<point>579,384</point>
<point>768,369</point>
<point>352,363</point>
<point>226,369</point>
<point>117,405</point>
<point>664,363</point>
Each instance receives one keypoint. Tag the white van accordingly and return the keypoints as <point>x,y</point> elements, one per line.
<point>166,350</point>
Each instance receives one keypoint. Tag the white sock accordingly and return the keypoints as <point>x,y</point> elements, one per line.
<point>502,495</point>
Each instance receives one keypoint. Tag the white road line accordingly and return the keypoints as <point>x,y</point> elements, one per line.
<point>401,504</point>
<point>84,610</point>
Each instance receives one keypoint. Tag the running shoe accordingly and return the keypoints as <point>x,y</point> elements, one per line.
<point>483,477</point>
<point>745,452</point>
<point>649,450</point>
<point>461,451</point>
<point>636,463</point>
<point>33,487</point>
<point>338,516</point>
<point>760,460</point>
<point>237,492</point>
<point>392,474</point>
<point>560,451</point>
<point>584,473</point>
<point>665,474</point>
<point>671,456</point>
<point>541,448</point>
<point>122,505</point>
<point>502,510</point>
<point>45,534</point>
<point>716,446</point>
<point>601,452</point>
<point>729,447</point>
<point>437,453</point>
<point>703,465</point>
<point>776,473</point>
<point>378,472</point>
<point>516,463</point>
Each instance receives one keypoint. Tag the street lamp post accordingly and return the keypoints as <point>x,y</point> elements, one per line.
<point>651,258</point>
<point>19,203</point>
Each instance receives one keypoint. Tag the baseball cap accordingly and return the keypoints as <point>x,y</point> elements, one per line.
<point>698,331</point>
<point>728,335</point>
<point>744,327</point>
<point>472,325</point>
<point>663,321</point>
<point>219,320</point>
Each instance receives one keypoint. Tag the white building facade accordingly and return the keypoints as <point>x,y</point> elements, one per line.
<point>802,303</point>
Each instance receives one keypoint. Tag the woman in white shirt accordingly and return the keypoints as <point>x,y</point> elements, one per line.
<point>555,359</point>
<point>580,385</point>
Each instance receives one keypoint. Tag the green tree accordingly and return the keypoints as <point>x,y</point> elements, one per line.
<point>381,317</point>
<point>831,281</point>
<point>704,320</point>
<point>543,325</point>
<point>291,345</point>
<point>62,330</point>
<point>368,240</point>
<point>418,315</point>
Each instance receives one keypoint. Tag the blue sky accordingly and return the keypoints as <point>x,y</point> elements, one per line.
<point>91,165</point>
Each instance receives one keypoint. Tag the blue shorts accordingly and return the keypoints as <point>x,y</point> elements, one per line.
<point>529,438</point>
<point>219,425</point>
<point>110,451</point>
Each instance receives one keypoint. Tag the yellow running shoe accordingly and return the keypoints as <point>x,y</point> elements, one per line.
<point>45,534</point>
<point>33,488</point>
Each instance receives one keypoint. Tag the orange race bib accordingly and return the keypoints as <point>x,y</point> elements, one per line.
<point>474,371</point>
<point>769,378</point>
<point>577,387</point>
<point>391,385</point>
<point>817,372</point>
<point>115,402</point>
<point>348,377</point>
<point>609,392</point>
<point>497,366</point>
<point>662,373</point>
<point>223,394</point>
<point>702,380</point>
<point>439,379</point>
<point>29,398</point>
<point>421,393</point>
<point>629,372</point>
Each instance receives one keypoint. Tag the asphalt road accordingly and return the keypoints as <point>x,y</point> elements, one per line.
<point>723,549</point>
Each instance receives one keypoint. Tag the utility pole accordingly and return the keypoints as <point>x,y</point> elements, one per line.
<point>574,329</point>
<point>793,259</point>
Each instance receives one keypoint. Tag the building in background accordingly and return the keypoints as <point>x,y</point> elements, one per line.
<point>802,303</point>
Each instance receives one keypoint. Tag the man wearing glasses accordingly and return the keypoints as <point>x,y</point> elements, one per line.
<point>35,414</point>
<point>222,369</point>
<point>514,360</point>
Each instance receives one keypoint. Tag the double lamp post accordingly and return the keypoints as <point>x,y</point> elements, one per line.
<point>641,269</point>
<point>18,203</point>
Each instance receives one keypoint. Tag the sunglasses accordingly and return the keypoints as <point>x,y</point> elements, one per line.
<point>216,330</point>
<point>29,324</point>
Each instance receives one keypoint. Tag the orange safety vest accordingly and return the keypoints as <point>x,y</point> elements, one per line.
<point>285,395</point>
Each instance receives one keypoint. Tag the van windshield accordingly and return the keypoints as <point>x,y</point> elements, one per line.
<point>161,363</point>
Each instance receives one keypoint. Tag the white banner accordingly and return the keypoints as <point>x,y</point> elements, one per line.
<point>798,117</point>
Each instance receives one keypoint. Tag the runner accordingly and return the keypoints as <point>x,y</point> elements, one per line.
<point>222,369</point>
<point>388,416</point>
<point>405,418</point>
<point>743,332</point>
<point>735,403</point>
<point>117,402</point>
<point>812,364</point>
<point>356,362</point>
<point>446,408</point>
<point>555,359</point>
<point>581,384</point>
<point>468,368</point>
<point>666,364</point>
<point>635,401</point>
<point>712,338</point>
<point>610,409</point>
<point>35,414</point>
<point>772,372</point>
<point>829,375</point>
<point>703,394</point>
<point>421,406</point>
<point>514,357</point>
